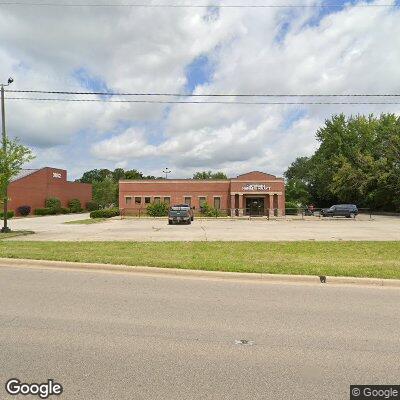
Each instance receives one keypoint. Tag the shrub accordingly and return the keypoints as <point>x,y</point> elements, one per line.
<point>92,205</point>
<point>75,205</point>
<point>65,210</point>
<point>106,213</point>
<point>157,209</point>
<point>213,212</point>
<point>24,210</point>
<point>291,208</point>
<point>10,214</point>
<point>45,211</point>
<point>54,204</point>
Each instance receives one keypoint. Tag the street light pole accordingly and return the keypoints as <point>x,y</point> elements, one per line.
<point>5,228</point>
<point>166,172</point>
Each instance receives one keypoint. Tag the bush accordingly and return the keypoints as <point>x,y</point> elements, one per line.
<point>65,210</point>
<point>291,208</point>
<point>45,211</point>
<point>53,202</point>
<point>75,206</point>
<point>157,209</point>
<point>92,205</point>
<point>24,210</point>
<point>10,214</point>
<point>209,211</point>
<point>106,213</point>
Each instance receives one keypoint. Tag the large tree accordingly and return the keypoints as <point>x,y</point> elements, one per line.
<point>209,175</point>
<point>358,161</point>
<point>13,156</point>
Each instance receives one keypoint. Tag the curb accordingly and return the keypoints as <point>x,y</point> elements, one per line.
<point>243,276</point>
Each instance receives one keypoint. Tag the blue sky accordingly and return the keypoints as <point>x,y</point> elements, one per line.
<point>180,51</point>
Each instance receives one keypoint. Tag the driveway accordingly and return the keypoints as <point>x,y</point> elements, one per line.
<point>123,336</point>
<point>53,228</point>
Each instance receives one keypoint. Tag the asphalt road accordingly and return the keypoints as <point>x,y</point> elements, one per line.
<point>121,336</point>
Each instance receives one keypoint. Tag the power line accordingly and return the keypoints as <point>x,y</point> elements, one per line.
<point>142,5</point>
<point>200,102</point>
<point>112,94</point>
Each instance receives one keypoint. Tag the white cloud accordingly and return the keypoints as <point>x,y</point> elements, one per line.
<point>355,50</point>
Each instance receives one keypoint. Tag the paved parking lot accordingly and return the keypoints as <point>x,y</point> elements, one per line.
<point>53,228</point>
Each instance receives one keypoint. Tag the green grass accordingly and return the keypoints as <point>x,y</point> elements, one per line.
<point>357,259</point>
<point>15,234</point>
<point>86,221</point>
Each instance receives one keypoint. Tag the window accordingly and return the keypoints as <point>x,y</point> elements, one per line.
<point>157,200</point>
<point>202,201</point>
<point>147,200</point>
<point>138,200</point>
<point>188,201</point>
<point>167,200</point>
<point>128,200</point>
<point>217,202</point>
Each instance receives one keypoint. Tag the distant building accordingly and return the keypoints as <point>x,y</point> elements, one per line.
<point>254,193</point>
<point>32,188</point>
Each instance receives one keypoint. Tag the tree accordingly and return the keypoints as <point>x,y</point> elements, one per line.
<point>95,175</point>
<point>133,174</point>
<point>297,192</point>
<point>118,174</point>
<point>105,192</point>
<point>358,161</point>
<point>12,158</point>
<point>204,175</point>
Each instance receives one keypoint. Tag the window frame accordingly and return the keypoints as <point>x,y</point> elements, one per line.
<point>219,199</point>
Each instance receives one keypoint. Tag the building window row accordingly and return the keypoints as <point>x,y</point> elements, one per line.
<point>167,199</point>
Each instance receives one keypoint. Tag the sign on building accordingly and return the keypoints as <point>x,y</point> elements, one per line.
<point>256,187</point>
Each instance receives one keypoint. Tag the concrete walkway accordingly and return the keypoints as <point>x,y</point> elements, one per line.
<point>53,228</point>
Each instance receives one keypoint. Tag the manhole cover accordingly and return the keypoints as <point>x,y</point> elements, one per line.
<point>244,342</point>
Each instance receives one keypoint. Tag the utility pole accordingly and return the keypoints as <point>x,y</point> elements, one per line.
<point>166,172</point>
<point>5,228</point>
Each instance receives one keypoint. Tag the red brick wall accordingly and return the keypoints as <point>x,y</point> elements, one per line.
<point>34,189</point>
<point>175,189</point>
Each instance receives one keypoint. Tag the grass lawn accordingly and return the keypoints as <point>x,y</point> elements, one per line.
<point>358,259</point>
<point>86,221</point>
<point>14,234</point>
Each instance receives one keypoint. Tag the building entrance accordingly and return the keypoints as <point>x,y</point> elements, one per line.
<point>255,206</point>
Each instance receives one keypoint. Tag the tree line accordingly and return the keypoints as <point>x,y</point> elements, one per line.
<point>357,162</point>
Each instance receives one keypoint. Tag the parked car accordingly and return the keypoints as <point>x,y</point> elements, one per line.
<point>180,213</point>
<point>189,208</point>
<point>340,210</point>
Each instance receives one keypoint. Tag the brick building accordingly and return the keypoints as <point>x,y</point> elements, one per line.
<point>33,187</point>
<point>254,193</point>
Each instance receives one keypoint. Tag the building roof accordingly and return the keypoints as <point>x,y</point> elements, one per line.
<point>24,173</point>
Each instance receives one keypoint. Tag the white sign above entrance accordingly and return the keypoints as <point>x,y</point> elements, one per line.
<point>248,188</point>
<point>57,175</point>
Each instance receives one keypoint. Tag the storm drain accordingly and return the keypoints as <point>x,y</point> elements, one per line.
<point>244,342</point>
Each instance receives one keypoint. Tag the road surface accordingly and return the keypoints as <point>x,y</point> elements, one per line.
<point>128,336</point>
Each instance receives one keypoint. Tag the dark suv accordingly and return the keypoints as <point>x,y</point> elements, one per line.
<point>340,210</point>
<point>180,213</point>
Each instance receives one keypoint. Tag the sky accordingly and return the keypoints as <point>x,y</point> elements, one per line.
<point>309,50</point>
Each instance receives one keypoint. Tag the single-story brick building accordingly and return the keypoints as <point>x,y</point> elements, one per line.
<point>254,193</point>
<point>33,186</point>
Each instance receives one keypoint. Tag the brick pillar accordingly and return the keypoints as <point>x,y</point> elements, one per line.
<point>281,206</point>
<point>271,205</point>
<point>279,212</point>
<point>232,205</point>
<point>240,205</point>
